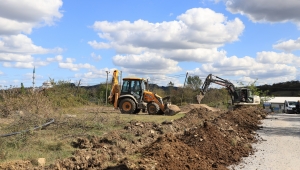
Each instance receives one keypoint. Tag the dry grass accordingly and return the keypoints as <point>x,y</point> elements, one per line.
<point>74,117</point>
<point>54,141</point>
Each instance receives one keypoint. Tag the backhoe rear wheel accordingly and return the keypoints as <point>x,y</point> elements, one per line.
<point>152,108</point>
<point>127,106</point>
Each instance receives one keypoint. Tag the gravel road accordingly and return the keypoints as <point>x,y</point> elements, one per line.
<point>279,145</point>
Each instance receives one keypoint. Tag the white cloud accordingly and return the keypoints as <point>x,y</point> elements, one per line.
<point>288,46</point>
<point>99,45</point>
<point>20,44</point>
<point>70,60</point>
<point>201,55</point>
<point>18,18</point>
<point>164,80</point>
<point>95,74</point>
<point>266,10</point>
<point>75,67</point>
<point>7,64</point>
<point>21,16</point>
<point>9,27</point>
<point>270,57</point>
<point>146,63</point>
<point>247,67</point>
<point>146,47</point>
<point>23,65</point>
<point>9,57</point>
<point>196,28</point>
<point>96,57</point>
<point>55,59</point>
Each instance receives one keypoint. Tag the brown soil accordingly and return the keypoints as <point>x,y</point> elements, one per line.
<point>206,138</point>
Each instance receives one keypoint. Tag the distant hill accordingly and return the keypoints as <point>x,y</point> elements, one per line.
<point>289,88</point>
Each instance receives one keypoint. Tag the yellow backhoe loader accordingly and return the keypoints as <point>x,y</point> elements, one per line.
<point>134,96</point>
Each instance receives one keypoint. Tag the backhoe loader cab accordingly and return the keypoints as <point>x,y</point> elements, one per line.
<point>134,86</point>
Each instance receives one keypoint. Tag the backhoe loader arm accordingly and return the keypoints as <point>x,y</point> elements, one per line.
<point>115,89</point>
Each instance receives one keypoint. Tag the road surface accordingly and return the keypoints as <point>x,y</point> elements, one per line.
<point>279,146</point>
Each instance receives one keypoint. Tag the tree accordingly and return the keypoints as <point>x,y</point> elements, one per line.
<point>263,94</point>
<point>170,88</point>
<point>194,82</point>
<point>171,84</point>
<point>22,88</point>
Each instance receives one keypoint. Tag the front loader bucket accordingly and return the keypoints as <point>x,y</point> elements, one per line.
<point>171,110</point>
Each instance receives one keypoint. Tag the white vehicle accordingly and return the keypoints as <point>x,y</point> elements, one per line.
<point>289,106</point>
<point>47,85</point>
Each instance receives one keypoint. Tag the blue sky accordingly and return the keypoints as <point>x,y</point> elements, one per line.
<point>239,40</point>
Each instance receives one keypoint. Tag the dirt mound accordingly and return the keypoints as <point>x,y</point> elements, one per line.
<point>202,139</point>
<point>219,141</point>
<point>187,108</point>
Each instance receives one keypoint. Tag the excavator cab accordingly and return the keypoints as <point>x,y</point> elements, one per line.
<point>245,95</point>
<point>250,98</point>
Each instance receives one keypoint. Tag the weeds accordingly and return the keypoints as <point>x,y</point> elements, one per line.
<point>233,142</point>
<point>127,136</point>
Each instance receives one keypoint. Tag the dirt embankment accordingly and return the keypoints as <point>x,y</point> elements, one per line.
<point>203,139</point>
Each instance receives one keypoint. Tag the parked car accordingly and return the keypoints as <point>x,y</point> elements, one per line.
<point>289,107</point>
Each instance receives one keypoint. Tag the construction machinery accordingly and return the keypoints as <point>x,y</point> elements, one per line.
<point>134,96</point>
<point>239,96</point>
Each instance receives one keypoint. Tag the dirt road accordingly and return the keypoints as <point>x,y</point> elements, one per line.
<point>279,146</point>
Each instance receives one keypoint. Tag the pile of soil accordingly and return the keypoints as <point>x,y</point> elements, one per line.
<point>205,138</point>
<point>189,107</point>
<point>214,141</point>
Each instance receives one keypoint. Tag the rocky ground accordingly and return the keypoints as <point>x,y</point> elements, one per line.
<point>205,138</point>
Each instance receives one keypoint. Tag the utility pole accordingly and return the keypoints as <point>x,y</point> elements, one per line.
<point>106,86</point>
<point>33,77</point>
<point>183,88</point>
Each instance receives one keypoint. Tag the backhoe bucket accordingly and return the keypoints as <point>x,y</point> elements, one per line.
<point>171,110</point>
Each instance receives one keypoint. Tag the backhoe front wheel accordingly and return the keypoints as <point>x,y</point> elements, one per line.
<point>152,108</point>
<point>127,106</point>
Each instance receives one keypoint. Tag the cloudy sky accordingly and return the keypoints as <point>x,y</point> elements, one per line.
<point>69,40</point>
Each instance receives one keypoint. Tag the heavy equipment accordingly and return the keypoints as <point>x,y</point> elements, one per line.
<point>134,96</point>
<point>239,96</point>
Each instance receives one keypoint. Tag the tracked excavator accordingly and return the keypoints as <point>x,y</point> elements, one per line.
<point>134,96</point>
<point>239,96</point>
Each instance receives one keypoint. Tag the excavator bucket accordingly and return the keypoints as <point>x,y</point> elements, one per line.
<point>171,110</point>
<point>200,97</point>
